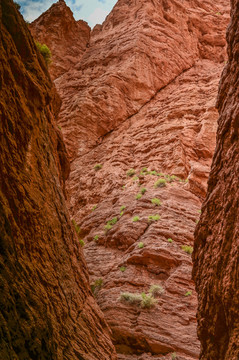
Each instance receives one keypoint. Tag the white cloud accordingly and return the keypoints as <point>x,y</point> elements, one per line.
<point>32,9</point>
<point>98,16</point>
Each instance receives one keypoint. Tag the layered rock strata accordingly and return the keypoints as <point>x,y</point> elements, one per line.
<point>142,97</point>
<point>216,270</point>
<point>66,38</point>
<point>47,310</point>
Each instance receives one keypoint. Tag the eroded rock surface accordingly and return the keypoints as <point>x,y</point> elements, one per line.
<point>66,37</point>
<point>216,270</point>
<point>143,96</point>
<point>130,58</point>
<point>46,308</point>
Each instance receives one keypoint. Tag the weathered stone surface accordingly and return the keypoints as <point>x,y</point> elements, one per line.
<point>130,58</point>
<point>46,308</point>
<point>143,95</point>
<point>216,269</point>
<point>66,37</point>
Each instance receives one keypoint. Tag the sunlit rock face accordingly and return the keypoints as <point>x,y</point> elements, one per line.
<point>143,97</point>
<point>47,310</point>
<point>216,249</point>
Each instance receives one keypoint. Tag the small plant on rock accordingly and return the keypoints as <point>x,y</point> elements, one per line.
<point>174,356</point>
<point>131,298</point>
<point>138,196</point>
<point>160,183</point>
<point>135,218</point>
<point>122,268</point>
<point>94,207</point>
<point>170,240</point>
<point>188,293</point>
<point>130,172</point>
<point>82,243</point>
<point>147,300</point>
<point>188,249</point>
<point>45,51</point>
<point>143,191</point>
<point>156,201</point>
<point>98,167</point>
<point>122,208</point>
<point>156,290</point>
<point>96,237</point>
<point>154,218</point>
<point>141,245</point>
<point>96,286</point>
<point>107,227</point>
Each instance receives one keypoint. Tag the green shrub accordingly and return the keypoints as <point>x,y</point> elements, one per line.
<point>77,228</point>
<point>138,196</point>
<point>45,51</point>
<point>153,172</point>
<point>107,227</point>
<point>160,183</point>
<point>143,191</point>
<point>154,217</point>
<point>121,214</point>
<point>96,237</point>
<point>188,293</point>
<point>113,221</point>
<point>122,208</point>
<point>82,243</point>
<point>130,172</point>
<point>135,178</point>
<point>98,167</point>
<point>188,249</point>
<point>147,300</point>
<point>94,207</point>
<point>135,218</point>
<point>96,286</point>
<point>156,290</point>
<point>144,170</point>
<point>141,245</point>
<point>156,201</point>
<point>174,356</point>
<point>131,298</point>
<point>170,240</point>
<point>122,268</point>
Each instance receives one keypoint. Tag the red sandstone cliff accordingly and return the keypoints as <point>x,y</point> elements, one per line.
<point>66,38</point>
<point>143,96</point>
<point>46,308</point>
<point>216,270</point>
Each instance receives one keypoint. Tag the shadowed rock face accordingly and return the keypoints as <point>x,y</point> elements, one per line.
<point>216,270</point>
<point>46,308</point>
<point>66,38</point>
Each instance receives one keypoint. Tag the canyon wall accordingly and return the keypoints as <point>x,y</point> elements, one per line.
<point>139,122</point>
<point>47,310</point>
<point>216,270</point>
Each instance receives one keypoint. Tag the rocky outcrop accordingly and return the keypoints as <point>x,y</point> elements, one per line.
<point>216,238</point>
<point>66,37</point>
<point>47,310</point>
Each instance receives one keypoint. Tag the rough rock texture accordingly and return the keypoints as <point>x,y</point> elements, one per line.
<point>66,38</point>
<point>131,58</point>
<point>143,95</point>
<point>47,310</point>
<point>216,269</point>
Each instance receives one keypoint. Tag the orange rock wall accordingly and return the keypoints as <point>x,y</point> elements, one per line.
<point>216,270</point>
<point>46,308</point>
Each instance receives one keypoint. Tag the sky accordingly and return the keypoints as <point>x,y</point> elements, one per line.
<point>92,11</point>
